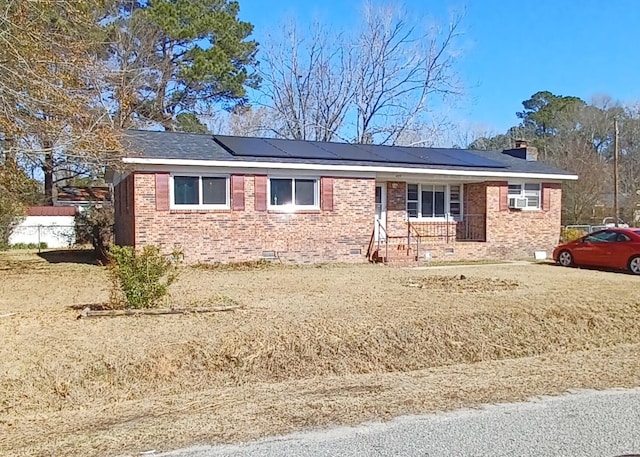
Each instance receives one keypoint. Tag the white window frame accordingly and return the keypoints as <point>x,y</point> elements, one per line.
<point>447,203</point>
<point>292,207</point>
<point>525,193</point>
<point>199,206</point>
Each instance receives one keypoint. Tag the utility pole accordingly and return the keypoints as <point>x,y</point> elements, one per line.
<point>616,146</point>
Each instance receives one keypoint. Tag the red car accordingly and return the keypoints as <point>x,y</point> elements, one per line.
<point>613,248</point>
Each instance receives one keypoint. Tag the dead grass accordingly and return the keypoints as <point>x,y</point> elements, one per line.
<point>441,263</point>
<point>345,343</point>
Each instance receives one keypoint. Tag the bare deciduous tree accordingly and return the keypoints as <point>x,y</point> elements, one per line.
<point>307,82</point>
<point>375,85</point>
<point>400,66</point>
<point>248,121</point>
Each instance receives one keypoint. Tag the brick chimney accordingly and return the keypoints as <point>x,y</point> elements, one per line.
<point>523,151</point>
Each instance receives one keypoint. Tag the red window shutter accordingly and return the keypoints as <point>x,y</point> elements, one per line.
<point>237,192</point>
<point>260,193</point>
<point>504,196</point>
<point>162,191</point>
<point>326,194</point>
<point>546,197</point>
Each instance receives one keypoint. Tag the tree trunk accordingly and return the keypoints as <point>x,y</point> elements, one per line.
<point>47,169</point>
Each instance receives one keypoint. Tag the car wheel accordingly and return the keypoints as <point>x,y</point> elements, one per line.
<point>634,265</point>
<point>565,259</point>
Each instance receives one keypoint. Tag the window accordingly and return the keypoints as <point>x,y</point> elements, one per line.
<point>200,192</point>
<point>434,201</point>
<point>524,195</point>
<point>293,193</point>
<point>622,238</point>
<point>602,237</point>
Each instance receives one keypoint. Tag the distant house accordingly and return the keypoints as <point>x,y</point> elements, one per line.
<point>54,226</point>
<point>226,199</point>
<point>83,196</point>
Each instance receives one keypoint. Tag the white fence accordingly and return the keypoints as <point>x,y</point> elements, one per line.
<point>54,231</point>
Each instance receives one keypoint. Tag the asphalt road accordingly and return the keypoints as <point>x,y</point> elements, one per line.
<point>581,424</point>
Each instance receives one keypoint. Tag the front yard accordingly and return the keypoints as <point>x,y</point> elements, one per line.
<point>313,346</point>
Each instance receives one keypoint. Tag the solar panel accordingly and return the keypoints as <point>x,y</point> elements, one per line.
<point>428,156</point>
<point>317,150</point>
<point>249,147</point>
<point>475,160</point>
<point>302,149</point>
<point>353,152</point>
<point>381,153</point>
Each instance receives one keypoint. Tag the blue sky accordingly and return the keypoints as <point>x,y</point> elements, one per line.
<point>510,49</point>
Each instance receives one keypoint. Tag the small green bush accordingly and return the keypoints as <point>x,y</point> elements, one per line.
<point>140,278</point>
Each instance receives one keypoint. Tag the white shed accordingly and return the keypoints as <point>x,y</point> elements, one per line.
<point>53,225</point>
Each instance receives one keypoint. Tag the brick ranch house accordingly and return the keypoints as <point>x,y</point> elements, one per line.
<point>233,199</point>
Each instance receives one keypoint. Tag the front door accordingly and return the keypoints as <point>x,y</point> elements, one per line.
<point>381,211</point>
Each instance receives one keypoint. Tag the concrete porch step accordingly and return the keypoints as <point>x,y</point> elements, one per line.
<point>396,257</point>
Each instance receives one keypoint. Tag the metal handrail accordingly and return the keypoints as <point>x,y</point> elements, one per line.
<point>371,243</point>
<point>386,241</point>
<point>446,230</point>
<point>410,228</point>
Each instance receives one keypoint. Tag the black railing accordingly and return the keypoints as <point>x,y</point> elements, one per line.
<point>471,228</point>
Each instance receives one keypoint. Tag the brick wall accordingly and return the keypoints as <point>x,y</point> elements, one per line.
<point>508,233</point>
<point>513,233</point>
<point>335,234</point>
<point>396,208</point>
<point>474,225</point>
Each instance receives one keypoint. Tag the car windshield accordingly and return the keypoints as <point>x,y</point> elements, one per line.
<point>637,232</point>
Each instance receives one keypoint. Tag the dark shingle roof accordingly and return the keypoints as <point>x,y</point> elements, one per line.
<point>190,146</point>
<point>96,194</point>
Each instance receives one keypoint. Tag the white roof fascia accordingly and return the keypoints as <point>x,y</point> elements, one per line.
<point>345,168</point>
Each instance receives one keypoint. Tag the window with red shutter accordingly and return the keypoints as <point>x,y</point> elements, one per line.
<point>504,196</point>
<point>237,192</point>
<point>326,194</point>
<point>162,191</point>
<point>260,191</point>
<point>546,195</point>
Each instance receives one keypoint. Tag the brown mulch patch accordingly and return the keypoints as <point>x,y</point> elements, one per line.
<point>462,283</point>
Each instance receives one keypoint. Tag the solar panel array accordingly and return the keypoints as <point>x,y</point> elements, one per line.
<point>294,149</point>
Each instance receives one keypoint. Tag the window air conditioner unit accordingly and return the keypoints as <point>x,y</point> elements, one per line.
<point>517,202</point>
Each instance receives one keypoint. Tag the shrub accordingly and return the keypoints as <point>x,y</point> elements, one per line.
<point>570,234</point>
<point>95,225</point>
<point>42,245</point>
<point>140,278</point>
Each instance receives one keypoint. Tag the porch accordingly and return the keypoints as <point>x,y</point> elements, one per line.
<point>419,239</point>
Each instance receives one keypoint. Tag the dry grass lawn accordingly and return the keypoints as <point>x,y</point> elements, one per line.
<point>313,346</point>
